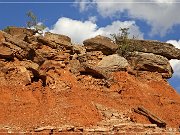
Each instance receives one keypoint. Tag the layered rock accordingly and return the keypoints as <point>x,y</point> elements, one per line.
<point>20,33</point>
<point>89,58</point>
<point>5,52</point>
<point>150,62</point>
<point>18,48</point>
<point>56,41</point>
<point>164,49</point>
<point>58,86</point>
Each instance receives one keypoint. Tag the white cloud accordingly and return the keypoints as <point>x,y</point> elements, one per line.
<point>175,63</point>
<point>175,43</point>
<point>83,5</point>
<point>81,30</point>
<point>92,19</point>
<point>162,15</point>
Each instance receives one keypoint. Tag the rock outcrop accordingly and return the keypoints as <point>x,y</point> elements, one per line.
<point>19,33</point>
<point>164,49</point>
<point>50,85</point>
<point>150,62</point>
<point>114,63</point>
<point>56,41</point>
<point>100,43</point>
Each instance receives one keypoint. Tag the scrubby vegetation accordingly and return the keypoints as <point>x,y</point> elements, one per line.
<point>122,39</point>
<point>34,23</point>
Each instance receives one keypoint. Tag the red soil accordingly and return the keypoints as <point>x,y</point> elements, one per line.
<point>27,107</point>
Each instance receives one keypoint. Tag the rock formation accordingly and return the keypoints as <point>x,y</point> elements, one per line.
<point>49,84</point>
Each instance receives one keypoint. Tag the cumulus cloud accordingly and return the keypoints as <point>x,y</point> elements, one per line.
<point>175,63</point>
<point>92,19</point>
<point>81,30</point>
<point>162,15</point>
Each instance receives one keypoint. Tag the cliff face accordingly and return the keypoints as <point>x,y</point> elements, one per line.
<point>49,84</point>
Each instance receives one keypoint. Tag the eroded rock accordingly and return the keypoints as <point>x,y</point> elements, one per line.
<point>5,52</point>
<point>20,33</point>
<point>114,63</point>
<point>150,62</point>
<point>100,43</point>
<point>56,41</point>
<point>164,49</point>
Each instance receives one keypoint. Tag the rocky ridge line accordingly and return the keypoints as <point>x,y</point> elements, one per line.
<point>26,59</point>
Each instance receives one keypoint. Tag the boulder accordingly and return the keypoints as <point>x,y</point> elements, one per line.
<point>94,71</point>
<point>150,62</point>
<point>113,63</point>
<point>100,43</point>
<point>164,49</point>
<point>75,66</point>
<point>56,41</point>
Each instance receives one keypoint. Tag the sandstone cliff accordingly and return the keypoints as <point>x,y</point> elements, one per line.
<point>48,84</point>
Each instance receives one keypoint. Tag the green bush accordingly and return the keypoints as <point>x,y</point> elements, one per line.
<point>6,29</point>
<point>33,22</point>
<point>125,44</point>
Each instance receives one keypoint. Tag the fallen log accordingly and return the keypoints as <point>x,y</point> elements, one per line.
<point>152,118</point>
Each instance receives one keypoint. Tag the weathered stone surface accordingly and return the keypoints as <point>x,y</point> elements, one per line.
<point>28,64</point>
<point>75,66</point>
<point>5,52</point>
<point>13,72</point>
<point>100,43</point>
<point>2,39</point>
<point>50,64</point>
<point>95,71</point>
<point>113,63</point>
<point>151,62</point>
<point>19,48</point>
<point>20,43</point>
<point>62,57</point>
<point>18,32</point>
<point>79,49</point>
<point>22,71</point>
<point>92,58</point>
<point>56,41</point>
<point>49,72</point>
<point>164,49</point>
<point>46,52</point>
<point>17,51</point>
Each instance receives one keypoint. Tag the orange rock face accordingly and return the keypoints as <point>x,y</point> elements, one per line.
<point>65,93</point>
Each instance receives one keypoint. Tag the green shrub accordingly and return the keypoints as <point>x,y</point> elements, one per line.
<point>125,44</point>
<point>33,22</point>
<point>6,29</point>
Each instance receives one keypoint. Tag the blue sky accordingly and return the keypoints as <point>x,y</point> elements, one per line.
<point>82,19</point>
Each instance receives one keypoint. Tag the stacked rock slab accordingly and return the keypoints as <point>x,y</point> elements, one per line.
<point>27,59</point>
<point>143,55</point>
<point>56,66</point>
<point>164,49</point>
<point>150,62</point>
<point>97,56</point>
